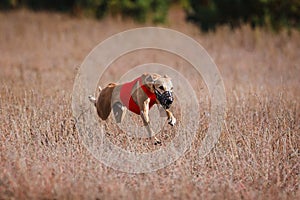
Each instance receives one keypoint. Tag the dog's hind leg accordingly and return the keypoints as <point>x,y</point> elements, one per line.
<point>119,111</point>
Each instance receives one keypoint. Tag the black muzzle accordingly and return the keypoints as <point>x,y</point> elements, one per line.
<point>165,99</point>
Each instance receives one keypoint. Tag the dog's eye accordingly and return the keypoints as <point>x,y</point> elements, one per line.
<point>161,87</point>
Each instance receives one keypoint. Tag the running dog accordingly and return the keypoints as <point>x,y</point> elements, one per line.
<point>137,96</point>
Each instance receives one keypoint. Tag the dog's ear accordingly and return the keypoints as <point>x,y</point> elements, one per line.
<point>166,76</point>
<point>151,78</point>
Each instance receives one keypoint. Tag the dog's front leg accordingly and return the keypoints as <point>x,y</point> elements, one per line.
<point>145,116</point>
<point>146,120</point>
<point>171,118</point>
<point>145,112</point>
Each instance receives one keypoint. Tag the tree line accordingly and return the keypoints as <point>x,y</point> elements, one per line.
<point>207,14</point>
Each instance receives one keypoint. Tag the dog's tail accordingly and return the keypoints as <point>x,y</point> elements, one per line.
<point>92,99</point>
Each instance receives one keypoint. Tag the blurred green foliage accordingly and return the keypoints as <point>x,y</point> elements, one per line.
<point>206,13</point>
<point>140,10</point>
<point>272,13</point>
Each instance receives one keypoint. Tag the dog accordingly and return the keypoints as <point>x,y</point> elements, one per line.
<point>137,96</point>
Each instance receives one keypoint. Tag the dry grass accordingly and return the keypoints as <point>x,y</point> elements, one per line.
<point>42,157</point>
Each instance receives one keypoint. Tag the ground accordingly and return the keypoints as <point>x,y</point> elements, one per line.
<point>42,156</point>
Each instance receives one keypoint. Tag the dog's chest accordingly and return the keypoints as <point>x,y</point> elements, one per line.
<point>127,99</point>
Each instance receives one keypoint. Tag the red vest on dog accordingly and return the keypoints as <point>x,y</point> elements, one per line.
<point>127,100</point>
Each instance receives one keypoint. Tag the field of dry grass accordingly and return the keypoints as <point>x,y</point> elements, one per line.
<point>42,157</point>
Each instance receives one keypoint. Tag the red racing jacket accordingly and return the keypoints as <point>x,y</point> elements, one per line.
<point>126,97</point>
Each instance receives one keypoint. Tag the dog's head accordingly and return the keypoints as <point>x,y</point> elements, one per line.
<point>162,87</point>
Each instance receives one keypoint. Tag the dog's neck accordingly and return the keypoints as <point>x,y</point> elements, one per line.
<point>146,88</point>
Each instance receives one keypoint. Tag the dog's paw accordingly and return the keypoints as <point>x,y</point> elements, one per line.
<point>92,99</point>
<point>157,141</point>
<point>172,121</point>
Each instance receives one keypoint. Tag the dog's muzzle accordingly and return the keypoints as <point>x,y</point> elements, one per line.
<point>165,99</point>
